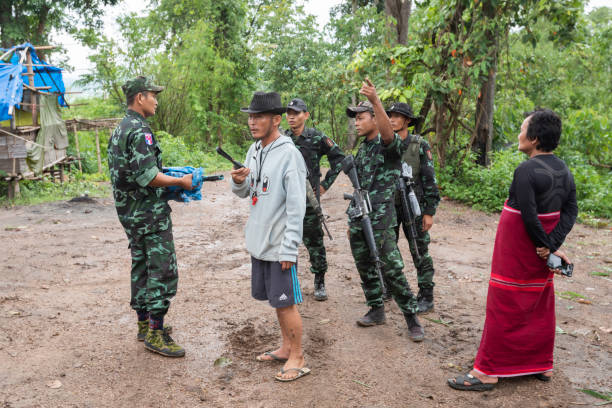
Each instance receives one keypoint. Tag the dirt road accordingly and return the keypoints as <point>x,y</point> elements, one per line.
<point>68,335</point>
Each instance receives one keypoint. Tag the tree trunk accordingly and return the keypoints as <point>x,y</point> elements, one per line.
<point>40,29</point>
<point>484,119</point>
<point>351,132</point>
<point>5,17</point>
<point>485,103</point>
<point>418,127</point>
<point>442,133</point>
<point>400,10</point>
<point>332,117</point>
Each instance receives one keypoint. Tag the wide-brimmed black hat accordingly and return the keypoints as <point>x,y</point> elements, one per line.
<point>364,106</point>
<point>297,105</point>
<point>263,102</point>
<point>403,109</point>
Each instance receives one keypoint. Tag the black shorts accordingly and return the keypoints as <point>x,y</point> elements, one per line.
<point>269,282</point>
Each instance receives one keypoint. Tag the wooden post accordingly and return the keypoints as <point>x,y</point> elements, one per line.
<point>98,151</point>
<point>34,94</point>
<point>61,172</point>
<point>76,144</point>
<point>11,190</point>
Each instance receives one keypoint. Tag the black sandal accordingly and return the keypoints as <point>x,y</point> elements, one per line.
<point>543,377</point>
<point>475,384</point>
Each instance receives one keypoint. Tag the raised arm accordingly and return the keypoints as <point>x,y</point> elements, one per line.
<point>382,120</point>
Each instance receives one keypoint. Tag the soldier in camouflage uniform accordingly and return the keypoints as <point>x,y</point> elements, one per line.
<point>134,162</point>
<point>418,155</point>
<point>377,162</point>
<point>313,144</point>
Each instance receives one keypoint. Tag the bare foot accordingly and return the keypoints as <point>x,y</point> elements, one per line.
<point>292,363</point>
<point>280,354</point>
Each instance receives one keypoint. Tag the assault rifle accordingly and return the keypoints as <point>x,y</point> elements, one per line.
<point>359,210</point>
<point>314,203</point>
<point>410,208</point>
<point>237,164</point>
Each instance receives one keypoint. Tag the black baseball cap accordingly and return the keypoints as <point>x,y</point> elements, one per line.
<point>297,105</point>
<point>403,109</point>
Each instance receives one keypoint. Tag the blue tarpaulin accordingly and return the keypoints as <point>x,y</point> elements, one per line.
<point>44,75</point>
<point>11,89</point>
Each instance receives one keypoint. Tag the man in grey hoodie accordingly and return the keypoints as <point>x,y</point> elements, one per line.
<point>274,178</point>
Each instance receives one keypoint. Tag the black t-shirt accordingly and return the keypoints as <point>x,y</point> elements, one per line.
<point>544,184</point>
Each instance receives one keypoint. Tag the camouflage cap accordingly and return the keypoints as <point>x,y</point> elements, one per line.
<point>364,106</point>
<point>139,84</point>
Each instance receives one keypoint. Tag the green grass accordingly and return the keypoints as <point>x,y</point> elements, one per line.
<point>570,295</point>
<point>597,273</point>
<point>597,394</point>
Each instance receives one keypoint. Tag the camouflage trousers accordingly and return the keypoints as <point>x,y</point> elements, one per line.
<point>154,271</point>
<point>424,265</point>
<point>313,241</point>
<point>391,269</point>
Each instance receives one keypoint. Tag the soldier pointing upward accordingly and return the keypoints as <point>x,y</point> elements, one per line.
<point>378,162</point>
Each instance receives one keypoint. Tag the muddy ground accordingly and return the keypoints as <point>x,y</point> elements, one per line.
<point>67,333</point>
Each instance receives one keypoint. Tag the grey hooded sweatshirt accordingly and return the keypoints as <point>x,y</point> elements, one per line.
<point>274,229</point>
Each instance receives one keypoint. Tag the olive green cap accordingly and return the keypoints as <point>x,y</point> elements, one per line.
<point>140,84</point>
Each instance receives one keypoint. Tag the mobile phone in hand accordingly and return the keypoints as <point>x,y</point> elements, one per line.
<point>556,262</point>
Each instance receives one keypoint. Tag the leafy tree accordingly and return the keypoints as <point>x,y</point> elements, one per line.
<point>34,20</point>
<point>196,49</point>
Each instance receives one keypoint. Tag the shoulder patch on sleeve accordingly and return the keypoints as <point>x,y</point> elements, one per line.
<point>429,154</point>
<point>329,142</point>
<point>148,138</point>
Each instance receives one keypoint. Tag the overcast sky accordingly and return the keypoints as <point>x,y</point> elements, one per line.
<point>78,54</point>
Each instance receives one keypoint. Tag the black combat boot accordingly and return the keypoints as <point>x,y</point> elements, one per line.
<point>319,287</point>
<point>425,300</point>
<point>414,327</point>
<point>375,315</point>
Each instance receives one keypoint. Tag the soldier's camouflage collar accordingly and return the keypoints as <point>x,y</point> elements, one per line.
<point>136,114</point>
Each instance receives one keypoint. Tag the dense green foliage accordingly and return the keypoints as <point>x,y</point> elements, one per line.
<point>211,56</point>
<point>36,21</point>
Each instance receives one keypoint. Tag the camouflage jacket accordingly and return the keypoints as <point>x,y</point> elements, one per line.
<point>313,144</point>
<point>378,168</point>
<point>426,187</point>
<point>134,159</point>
